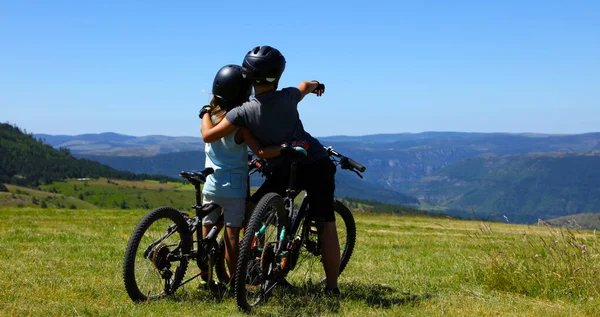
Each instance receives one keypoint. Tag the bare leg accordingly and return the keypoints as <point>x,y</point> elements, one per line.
<point>232,247</point>
<point>331,252</point>
<point>204,267</point>
<point>205,230</point>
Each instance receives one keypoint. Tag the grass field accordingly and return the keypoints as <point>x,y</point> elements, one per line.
<point>22,196</point>
<point>69,262</point>
<point>122,194</point>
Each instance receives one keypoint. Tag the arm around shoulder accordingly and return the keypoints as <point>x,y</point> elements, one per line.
<point>257,149</point>
<point>212,133</point>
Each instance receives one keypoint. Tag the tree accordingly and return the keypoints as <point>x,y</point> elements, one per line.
<point>44,205</point>
<point>3,188</point>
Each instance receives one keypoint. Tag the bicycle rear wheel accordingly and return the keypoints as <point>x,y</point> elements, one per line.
<point>307,268</point>
<point>154,264</point>
<point>261,232</point>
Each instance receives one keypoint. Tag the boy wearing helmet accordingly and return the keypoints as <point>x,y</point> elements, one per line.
<point>228,156</point>
<point>273,118</point>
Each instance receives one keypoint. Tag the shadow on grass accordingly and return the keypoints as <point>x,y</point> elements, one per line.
<point>202,295</point>
<point>381,296</point>
<point>310,300</point>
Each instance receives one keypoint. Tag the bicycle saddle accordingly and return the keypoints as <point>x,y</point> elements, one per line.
<point>197,177</point>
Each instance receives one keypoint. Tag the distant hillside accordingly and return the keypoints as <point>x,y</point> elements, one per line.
<point>27,161</point>
<point>26,197</point>
<point>166,164</point>
<point>349,185</point>
<point>114,144</point>
<point>397,164</point>
<point>360,205</point>
<point>521,187</point>
<point>394,137</point>
<point>589,221</point>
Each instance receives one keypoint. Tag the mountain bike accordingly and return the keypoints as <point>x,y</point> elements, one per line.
<point>281,246</point>
<point>162,245</point>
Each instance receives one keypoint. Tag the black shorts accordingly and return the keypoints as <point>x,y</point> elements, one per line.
<point>316,178</point>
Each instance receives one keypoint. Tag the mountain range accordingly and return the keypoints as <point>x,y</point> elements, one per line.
<point>521,187</point>
<point>115,144</point>
<point>455,171</point>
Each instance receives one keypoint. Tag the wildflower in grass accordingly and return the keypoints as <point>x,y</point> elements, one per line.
<point>536,256</point>
<point>583,249</point>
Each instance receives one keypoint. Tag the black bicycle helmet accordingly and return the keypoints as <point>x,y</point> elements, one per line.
<point>230,87</point>
<point>264,64</point>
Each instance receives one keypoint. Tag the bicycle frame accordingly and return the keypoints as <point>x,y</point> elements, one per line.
<point>206,247</point>
<point>290,224</point>
<point>292,220</point>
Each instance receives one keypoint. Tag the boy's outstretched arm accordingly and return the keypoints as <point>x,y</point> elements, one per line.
<point>263,153</point>
<point>211,133</point>
<point>307,87</point>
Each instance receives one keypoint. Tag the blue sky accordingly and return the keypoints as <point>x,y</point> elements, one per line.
<point>139,68</point>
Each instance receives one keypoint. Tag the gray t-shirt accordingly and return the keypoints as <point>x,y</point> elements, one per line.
<point>273,119</point>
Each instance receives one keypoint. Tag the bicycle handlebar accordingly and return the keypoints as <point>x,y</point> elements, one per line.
<point>256,164</point>
<point>346,161</point>
<point>353,163</point>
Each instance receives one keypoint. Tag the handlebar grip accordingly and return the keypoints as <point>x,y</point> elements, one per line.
<point>356,165</point>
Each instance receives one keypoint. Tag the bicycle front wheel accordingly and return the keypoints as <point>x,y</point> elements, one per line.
<point>259,237</point>
<point>155,264</point>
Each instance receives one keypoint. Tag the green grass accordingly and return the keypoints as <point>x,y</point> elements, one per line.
<point>122,194</point>
<point>22,196</point>
<point>69,262</point>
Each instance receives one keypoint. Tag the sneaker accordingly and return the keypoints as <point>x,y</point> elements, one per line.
<point>230,287</point>
<point>332,292</point>
<point>203,278</point>
<point>229,291</point>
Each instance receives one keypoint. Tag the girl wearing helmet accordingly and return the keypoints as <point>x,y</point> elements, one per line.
<point>227,187</point>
